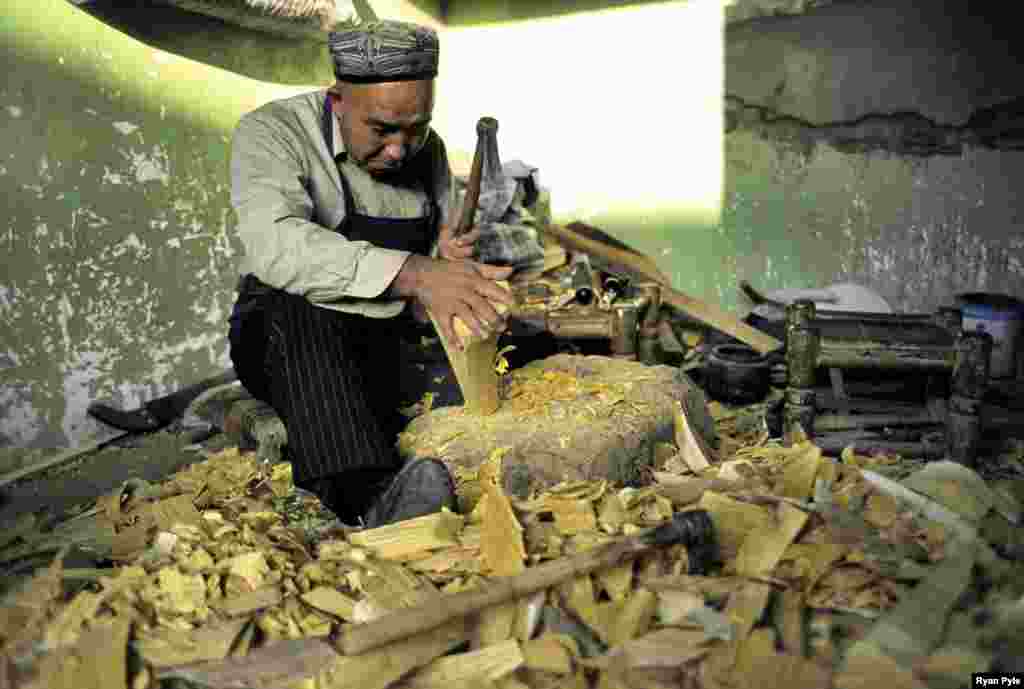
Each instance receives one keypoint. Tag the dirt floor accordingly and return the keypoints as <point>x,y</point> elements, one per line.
<point>75,486</point>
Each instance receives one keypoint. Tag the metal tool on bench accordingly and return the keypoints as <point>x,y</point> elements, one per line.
<point>628,320</point>
<point>893,344</point>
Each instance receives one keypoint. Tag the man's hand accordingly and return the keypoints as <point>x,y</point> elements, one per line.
<point>447,289</point>
<point>456,249</point>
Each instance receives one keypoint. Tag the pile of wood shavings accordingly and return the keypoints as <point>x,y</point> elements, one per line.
<point>817,569</point>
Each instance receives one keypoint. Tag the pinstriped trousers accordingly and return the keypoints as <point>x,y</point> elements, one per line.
<point>332,377</point>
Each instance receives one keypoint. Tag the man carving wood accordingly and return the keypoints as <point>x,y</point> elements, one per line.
<point>342,197</point>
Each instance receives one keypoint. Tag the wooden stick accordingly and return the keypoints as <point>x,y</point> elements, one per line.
<point>639,266</point>
<point>409,621</point>
<point>64,457</point>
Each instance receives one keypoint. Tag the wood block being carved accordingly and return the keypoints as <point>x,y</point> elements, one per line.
<point>474,365</point>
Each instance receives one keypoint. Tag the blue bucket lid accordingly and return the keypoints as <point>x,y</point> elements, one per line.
<point>998,307</point>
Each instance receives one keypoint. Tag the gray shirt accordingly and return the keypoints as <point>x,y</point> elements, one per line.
<point>287,194</point>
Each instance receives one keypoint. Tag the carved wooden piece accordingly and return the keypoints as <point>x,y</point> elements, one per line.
<point>474,364</point>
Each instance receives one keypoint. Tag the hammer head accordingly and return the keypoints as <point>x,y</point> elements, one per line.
<point>486,125</point>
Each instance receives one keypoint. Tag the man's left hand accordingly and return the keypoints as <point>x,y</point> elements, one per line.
<point>455,248</point>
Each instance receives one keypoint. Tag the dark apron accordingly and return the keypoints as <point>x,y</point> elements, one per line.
<point>415,235</point>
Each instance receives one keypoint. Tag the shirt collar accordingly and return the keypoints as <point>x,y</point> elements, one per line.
<point>338,144</point>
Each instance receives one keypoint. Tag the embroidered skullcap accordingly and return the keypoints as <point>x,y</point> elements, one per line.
<point>384,51</point>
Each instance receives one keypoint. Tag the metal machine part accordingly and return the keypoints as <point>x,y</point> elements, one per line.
<point>628,321</point>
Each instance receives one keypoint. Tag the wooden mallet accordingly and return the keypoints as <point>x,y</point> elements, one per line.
<point>692,529</point>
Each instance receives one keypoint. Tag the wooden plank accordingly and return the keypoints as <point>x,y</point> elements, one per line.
<point>63,457</point>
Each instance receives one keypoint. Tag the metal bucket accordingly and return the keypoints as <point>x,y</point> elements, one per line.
<point>1002,317</point>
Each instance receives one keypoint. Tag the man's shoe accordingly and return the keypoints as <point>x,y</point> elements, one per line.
<point>423,486</point>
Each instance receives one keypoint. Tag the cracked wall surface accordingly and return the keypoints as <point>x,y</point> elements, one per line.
<point>118,239</point>
<point>880,143</point>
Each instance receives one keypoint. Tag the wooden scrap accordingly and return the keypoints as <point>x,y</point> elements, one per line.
<point>686,490</point>
<point>249,602</point>
<point>486,664</point>
<point>635,617</point>
<point>765,545</point>
<point>875,669</point>
<point>601,618</point>
<point>611,514</point>
<point>663,648</point>
<point>164,647</point>
<point>761,666</point>
<point>674,607</point>
<point>799,472</point>
<point>501,548</point>
<point>528,615</point>
<point>790,620</point>
<point>692,447</point>
<point>412,536</point>
<point>813,560</point>
<point>97,661</point>
<point>272,665</point>
<point>736,470</point>
<point>914,628</point>
<point>332,601</point>
<point>67,627</point>
<point>617,582</point>
<point>548,653</point>
<point>172,511</point>
<point>449,561</point>
<point>572,516</point>
<point>955,487</point>
<point>578,594</point>
<point>746,607</point>
<point>950,664</point>
<point>494,624</point>
<point>714,589</point>
<point>734,521</point>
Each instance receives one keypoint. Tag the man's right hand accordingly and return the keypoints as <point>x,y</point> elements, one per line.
<point>455,288</point>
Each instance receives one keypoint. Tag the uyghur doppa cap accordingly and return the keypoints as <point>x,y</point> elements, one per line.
<point>384,51</point>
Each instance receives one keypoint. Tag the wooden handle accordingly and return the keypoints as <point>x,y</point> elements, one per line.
<point>644,268</point>
<point>409,621</point>
<point>486,135</point>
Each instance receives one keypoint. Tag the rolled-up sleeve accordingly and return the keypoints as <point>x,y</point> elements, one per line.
<point>284,246</point>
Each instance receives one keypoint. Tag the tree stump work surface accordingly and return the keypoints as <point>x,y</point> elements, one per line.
<point>565,418</point>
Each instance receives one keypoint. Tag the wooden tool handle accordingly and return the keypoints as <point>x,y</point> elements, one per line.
<point>401,624</point>
<point>486,136</point>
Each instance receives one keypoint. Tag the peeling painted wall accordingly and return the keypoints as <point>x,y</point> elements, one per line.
<point>805,208</point>
<point>118,250</point>
<point>118,238</point>
<point>916,230</point>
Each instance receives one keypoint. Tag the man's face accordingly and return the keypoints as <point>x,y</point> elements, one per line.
<point>384,125</point>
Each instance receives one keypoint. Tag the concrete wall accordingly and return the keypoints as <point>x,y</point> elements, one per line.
<point>876,143</point>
